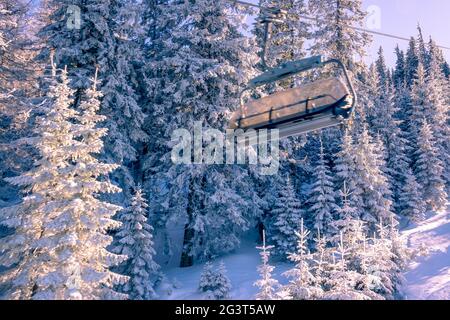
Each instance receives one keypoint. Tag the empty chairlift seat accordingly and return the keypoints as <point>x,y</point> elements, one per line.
<point>313,106</point>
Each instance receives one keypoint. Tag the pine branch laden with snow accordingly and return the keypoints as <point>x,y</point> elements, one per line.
<point>58,249</point>
<point>135,240</point>
<point>214,284</point>
<point>267,285</point>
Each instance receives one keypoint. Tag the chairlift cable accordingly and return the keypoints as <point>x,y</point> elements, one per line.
<point>387,35</point>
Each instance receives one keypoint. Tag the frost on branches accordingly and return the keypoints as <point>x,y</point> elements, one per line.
<point>135,240</point>
<point>58,250</point>
<point>267,285</point>
<point>214,284</point>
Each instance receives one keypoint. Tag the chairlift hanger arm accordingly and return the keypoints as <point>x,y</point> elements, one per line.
<point>347,79</point>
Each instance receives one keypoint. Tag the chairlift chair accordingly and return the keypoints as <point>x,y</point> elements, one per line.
<point>313,106</point>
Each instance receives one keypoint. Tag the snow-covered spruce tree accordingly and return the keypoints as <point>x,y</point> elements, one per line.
<point>268,286</point>
<point>17,87</point>
<point>214,283</point>
<point>352,236</point>
<point>347,221</point>
<point>375,195</point>
<point>346,175</point>
<point>399,74</point>
<point>58,250</point>
<point>106,39</point>
<point>320,259</point>
<point>341,281</point>
<point>412,62</point>
<point>437,87</point>
<point>385,124</point>
<point>196,78</point>
<point>380,262</point>
<point>286,216</point>
<point>416,114</point>
<point>135,240</point>
<point>322,197</point>
<point>428,169</point>
<point>302,284</point>
<point>422,52</point>
<point>401,254</point>
<point>413,207</point>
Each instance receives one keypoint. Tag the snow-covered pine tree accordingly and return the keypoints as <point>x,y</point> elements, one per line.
<point>437,87</point>
<point>369,165</point>
<point>321,198</point>
<point>428,169</point>
<point>302,284</point>
<point>214,283</point>
<point>17,87</point>
<point>416,114</point>
<point>58,250</point>
<point>399,75</point>
<point>286,216</point>
<point>385,124</point>
<point>135,240</point>
<point>347,221</point>
<point>332,36</point>
<point>422,51</point>
<point>107,40</point>
<point>412,62</point>
<point>197,76</point>
<point>320,259</point>
<point>268,286</point>
<point>346,176</point>
<point>380,262</point>
<point>341,281</point>
<point>207,278</point>
<point>412,206</point>
<point>401,254</point>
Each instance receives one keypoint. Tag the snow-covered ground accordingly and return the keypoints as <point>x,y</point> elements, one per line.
<point>241,269</point>
<point>429,277</point>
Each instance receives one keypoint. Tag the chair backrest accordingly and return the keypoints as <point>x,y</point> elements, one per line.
<point>320,93</point>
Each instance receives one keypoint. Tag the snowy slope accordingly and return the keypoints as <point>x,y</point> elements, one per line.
<point>429,277</point>
<point>241,269</point>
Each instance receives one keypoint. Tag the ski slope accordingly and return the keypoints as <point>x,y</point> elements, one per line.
<point>429,276</point>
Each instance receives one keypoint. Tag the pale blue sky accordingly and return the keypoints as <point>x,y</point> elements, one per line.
<point>400,17</point>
